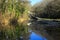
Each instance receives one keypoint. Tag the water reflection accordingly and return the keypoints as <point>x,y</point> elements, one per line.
<point>34,36</point>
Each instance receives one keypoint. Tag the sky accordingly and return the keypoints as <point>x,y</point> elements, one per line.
<point>34,36</point>
<point>35,1</point>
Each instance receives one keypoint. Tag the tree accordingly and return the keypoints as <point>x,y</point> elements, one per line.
<point>48,9</point>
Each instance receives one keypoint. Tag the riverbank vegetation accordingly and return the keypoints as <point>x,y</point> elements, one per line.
<point>47,9</point>
<point>13,19</point>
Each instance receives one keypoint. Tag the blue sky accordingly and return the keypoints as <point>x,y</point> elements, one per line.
<point>35,1</point>
<point>34,36</point>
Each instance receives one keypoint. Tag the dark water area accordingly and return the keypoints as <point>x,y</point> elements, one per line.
<point>35,36</point>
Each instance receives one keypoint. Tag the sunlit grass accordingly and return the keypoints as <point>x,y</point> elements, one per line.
<point>13,19</point>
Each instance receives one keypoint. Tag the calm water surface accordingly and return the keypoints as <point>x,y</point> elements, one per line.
<point>34,36</point>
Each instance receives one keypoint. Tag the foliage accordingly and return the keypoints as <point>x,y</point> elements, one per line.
<point>47,9</point>
<point>11,12</point>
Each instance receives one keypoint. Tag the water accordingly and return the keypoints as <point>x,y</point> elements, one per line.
<point>34,36</point>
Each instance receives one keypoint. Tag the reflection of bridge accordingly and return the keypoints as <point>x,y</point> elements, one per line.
<point>46,27</point>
